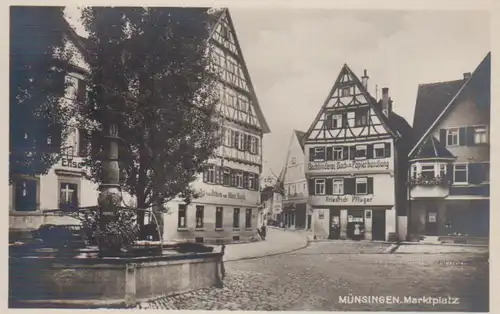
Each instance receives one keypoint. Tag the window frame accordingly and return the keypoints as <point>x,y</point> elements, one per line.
<point>337,149</point>
<point>219,224</point>
<point>336,121</point>
<point>345,92</point>
<point>466,174</point>
<point>236,218</point>
<point>199,222</point>
<point>68,180</point>
<point>356,183</point>
<point>248,218</point>
<point>341,186</point>
<point>319,183</point>
<point>431,168</point>
<point>480,130</point>
<point>239,179</point>
<point>181,208</point>
<point>378,146</point>
<point>453,132</point>
<point>317,150</point>
<point>363,147</point>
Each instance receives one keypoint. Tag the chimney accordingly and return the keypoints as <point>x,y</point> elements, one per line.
<point>364,79</point>
<point>386,101</point>
<point>466,75</point>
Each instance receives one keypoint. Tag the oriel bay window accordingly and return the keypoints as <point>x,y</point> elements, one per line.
<point>428,171</point>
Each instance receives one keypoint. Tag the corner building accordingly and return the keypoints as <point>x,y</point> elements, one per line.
<point>356,164</point>
<point>228,207</point>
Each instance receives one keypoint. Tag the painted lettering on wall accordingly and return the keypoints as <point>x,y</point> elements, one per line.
<point>227,195</point>
<point>346,199</point>
<point>349,164</point>
<point>71,163</point>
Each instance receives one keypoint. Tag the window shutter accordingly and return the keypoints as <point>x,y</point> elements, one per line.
<point>257,146</point>
<point>245,180</point>
<point>352,152</point>
<point>218,171</point>
<point>462,137</point>
<point>442,136</point>
<point>329,186</point>
<point>311,186</point>
<point>369,151</point>
<point>235,139</point>
<point>475,175</point>
<point>387,149</point>
<point>470,136</point>
<point>449,171</point>
<point>311,154</point>
<point>370,185</point>
<point>329,153</point>
<point>349,186</point>
<point>328,121</point>
<point>345,152</point>
<point>344,119</point>
<point>74,198</point>
<point>256,178</point>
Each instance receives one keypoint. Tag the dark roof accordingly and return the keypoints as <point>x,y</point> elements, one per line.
<point>405,130</point>
<point>432,148</point>
<point>301,136</point>
<point>266,193</point>
<point>431,101</point>
<point>431,111</point>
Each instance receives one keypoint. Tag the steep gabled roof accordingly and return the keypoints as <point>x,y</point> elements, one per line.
<point>301,136</point>
<point>432,148</point>
<point>477,87</point>
<point>369,98</point>
<point>431,100</point>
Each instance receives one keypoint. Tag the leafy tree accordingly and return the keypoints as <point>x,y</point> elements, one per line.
<point>38,63</point>
<point>150,65</point>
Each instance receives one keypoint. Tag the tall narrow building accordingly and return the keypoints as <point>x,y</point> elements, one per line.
<point>450,162</point>
<point>227,209</point>
<point>356,154</point>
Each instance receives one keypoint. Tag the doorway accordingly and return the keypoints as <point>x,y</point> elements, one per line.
<point>378,225</point>
<point>309,217</point>
<point>431,225</point>
<point>355,223</point>
<point>334,223</point>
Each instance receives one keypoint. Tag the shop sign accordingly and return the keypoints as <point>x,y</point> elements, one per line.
<point>351,218</point>
<point>383,164</point>
<point>70,163</point>
<point>356,199</point>
<point>223,195</point>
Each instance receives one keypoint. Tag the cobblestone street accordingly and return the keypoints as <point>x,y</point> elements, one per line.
<point>314,278</point>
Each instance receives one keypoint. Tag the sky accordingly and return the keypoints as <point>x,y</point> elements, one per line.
<point>295,55</point>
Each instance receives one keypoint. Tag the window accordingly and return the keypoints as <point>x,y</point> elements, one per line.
<point>379,150</point>
<point>68,195</point>
<point>414,171</point>
<point>442,170</point>
<point>452,137</point>
<point>427,172</point>
<point>336,121</point>
<point>226,177</point>
<point>292,189</point>
<point>218,217</point>
<point>361,186</point>
<point>248,218</point>
<point>239,179</point>
<point>209,174</point>
<point>346,91</point>
<point>181,222</point>
<point>81,91</point>
<point>361,151</point>
<point>199,216</point>
<point>480,135</point>
<point>241,145</point>
<point>319,153</point>
<point>337,153</point>
<point>236,218</point>
<point>460,174</point>
<point>338,186</point>
<point>227,137</point>
<point>253,145</point>
<point>251,181</point>
<point>361,117</point>
<point>236,137</point>
<point>319,187</point>
<point>25,195</point>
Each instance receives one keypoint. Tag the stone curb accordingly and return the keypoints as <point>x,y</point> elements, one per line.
<point>303,246</point>
<point>445,244</point>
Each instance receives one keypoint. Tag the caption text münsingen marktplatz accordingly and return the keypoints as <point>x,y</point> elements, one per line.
<point>364,299</point>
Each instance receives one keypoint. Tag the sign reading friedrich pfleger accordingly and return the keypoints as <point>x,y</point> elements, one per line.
<point>349,164</point>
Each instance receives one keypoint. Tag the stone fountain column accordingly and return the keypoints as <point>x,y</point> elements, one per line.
<point>110,195</point>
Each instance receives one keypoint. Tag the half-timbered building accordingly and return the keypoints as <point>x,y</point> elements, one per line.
<point>228,206</point>
<point>449,172</point>
<point>356,154</point>
<point>297,213</point>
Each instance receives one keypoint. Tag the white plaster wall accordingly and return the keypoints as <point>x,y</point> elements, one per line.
<point>390,222</point>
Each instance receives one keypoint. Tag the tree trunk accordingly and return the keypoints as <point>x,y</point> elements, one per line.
<point>157,212</point>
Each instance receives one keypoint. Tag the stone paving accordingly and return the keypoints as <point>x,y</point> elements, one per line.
<point>317,277</point>
<point>440,248</point>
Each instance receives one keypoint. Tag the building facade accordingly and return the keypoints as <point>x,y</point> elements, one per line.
<point>228,207</point>
<point>356,154</point>
<point>449,173</point>
<point>297,212</point>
